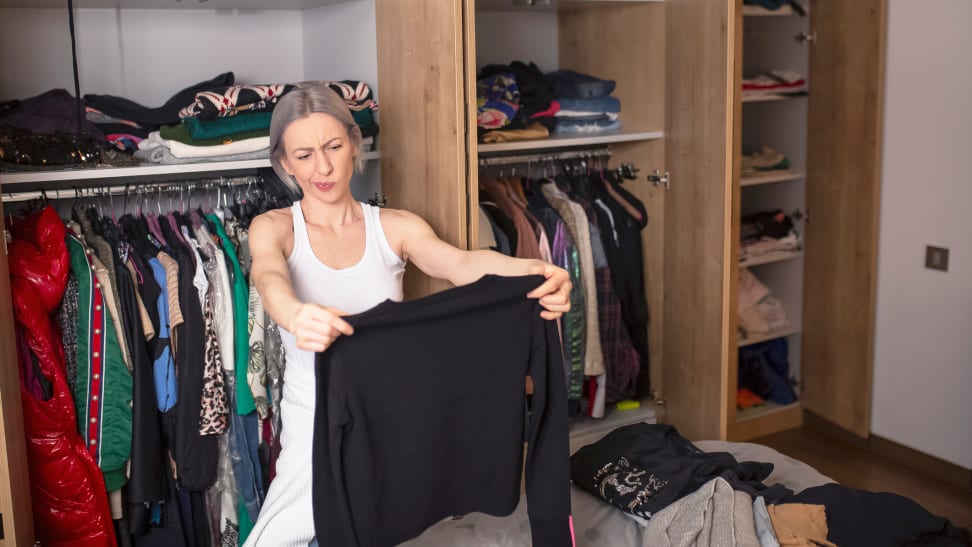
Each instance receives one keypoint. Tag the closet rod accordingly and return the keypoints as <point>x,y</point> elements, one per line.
<point>547,156</point>
<point>131,189</point>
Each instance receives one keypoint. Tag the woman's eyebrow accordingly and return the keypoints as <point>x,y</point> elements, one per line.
<point>303,148</point>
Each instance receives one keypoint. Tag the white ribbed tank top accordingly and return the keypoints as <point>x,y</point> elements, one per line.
<point>286,518</point>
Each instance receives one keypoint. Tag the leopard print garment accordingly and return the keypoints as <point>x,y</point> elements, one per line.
<point>214,416</point>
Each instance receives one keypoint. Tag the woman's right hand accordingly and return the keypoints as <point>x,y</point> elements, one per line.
<point>316,327</point>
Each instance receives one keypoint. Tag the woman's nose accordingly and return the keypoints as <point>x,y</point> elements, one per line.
<point>324,165</point>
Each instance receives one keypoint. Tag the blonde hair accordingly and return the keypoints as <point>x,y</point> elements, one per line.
<point>301,103</point>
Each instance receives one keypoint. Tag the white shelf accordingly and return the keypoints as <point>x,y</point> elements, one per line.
<point>769,258</point>
<point>770,97</point>
<point>743,342</point>
<point>768,178</point>
<point>549,5</point>
<point>564,142</point>
<point>586,430</point>
<point>174,4</point>
<point>7,180</point>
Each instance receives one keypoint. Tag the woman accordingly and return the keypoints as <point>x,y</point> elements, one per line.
<point>327,256</point>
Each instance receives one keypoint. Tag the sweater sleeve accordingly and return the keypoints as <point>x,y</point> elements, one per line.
<point>548,452</point>
<point>332,513</point>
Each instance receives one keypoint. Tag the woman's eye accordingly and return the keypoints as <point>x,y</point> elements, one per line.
<point>335,147</point>
<point>304,157</point>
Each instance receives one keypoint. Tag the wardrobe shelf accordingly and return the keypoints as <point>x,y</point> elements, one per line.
<point>770,258</point>
<point>565,142</point>
<point>743,342</point>
<point>173,4</point>
<point>767,409</point>
<point>107,174</point>
<point>760,11</point>
<point>585,430</point>
<point>770,97</point>
<point>550,5</point>
<point>770,178</point>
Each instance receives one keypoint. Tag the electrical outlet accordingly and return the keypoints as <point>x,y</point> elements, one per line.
<point>936,258</point>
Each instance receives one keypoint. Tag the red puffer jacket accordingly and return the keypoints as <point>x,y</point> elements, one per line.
<point>68,492</point>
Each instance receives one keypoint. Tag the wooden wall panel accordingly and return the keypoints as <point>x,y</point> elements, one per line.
<point>843,198</point>
<point>422,75</point>
<point>18,525</point>
<point>700,42</point>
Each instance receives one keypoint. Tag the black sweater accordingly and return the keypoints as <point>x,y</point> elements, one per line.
<point>422,415</point>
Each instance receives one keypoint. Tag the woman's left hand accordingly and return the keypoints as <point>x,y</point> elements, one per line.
<point>554,293</point>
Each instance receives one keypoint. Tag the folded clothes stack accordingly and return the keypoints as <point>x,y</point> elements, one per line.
<point>513,103</point>
<point>232,123</point>
<point>213,120</point>
<point>519,102</point>
<point>49,130</point>
<point>586,104</point>
<point>774,82</point>
<point>759,311</point>
<point>763,162</point>
<point>767,232</point>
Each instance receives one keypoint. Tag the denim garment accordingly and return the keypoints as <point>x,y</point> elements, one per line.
<point>566,126</point>
<point>599,104</point>
<point>568,84</point>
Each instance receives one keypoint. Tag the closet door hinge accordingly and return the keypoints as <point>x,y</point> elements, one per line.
<point>7,238</point>
<point>806,37</point>
<point>658,178</point>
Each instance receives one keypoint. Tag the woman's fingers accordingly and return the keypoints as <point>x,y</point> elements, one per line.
<point>316,327</point>
<point>557,280</point>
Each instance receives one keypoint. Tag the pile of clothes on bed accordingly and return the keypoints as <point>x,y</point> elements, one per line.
<point>685,496</point>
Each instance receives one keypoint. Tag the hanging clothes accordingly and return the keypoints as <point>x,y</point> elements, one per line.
<point>69,498</point>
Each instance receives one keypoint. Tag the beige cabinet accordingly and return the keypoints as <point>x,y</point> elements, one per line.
<point>837,182</point>
<point>673,63</point>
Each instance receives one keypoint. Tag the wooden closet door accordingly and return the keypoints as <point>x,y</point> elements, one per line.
<point>699,265</point>
<point>423,142</point>
<point>843,190</point>
<point>14,481</point>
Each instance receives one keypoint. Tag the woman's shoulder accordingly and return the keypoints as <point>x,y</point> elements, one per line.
<point>398,216</point>
<point>274,221</point>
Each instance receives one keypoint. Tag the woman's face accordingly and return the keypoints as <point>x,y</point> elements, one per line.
<point>319,154</point>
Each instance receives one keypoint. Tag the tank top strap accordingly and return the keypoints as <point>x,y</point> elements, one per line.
<point>376,234</point>
<point>301,241</point>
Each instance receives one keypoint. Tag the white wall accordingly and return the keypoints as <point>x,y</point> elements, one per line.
<point>923,346</point>
<point>146,55</point>
<point>341,43</point>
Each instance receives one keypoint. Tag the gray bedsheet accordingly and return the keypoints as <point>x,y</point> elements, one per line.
<point>597,524</point>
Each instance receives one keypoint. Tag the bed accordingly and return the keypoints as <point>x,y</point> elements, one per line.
<point>597,524</point>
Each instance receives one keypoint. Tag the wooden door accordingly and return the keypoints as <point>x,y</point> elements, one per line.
<point>423,142</point>
<point>843,187</point>
<point>18,527</point>
<point>699,266</point>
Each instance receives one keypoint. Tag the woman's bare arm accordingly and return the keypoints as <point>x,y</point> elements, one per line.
<point>314,326</point>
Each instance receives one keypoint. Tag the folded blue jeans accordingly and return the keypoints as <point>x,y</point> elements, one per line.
<point>569,84</point>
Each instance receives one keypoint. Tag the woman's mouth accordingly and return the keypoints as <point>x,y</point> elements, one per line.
<point>324,186</point>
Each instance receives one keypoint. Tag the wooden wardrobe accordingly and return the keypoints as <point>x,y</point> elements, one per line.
<point>678,65</point>
<point>842,115</point>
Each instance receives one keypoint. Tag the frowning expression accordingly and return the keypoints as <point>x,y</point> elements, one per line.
<point>319,155</point>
